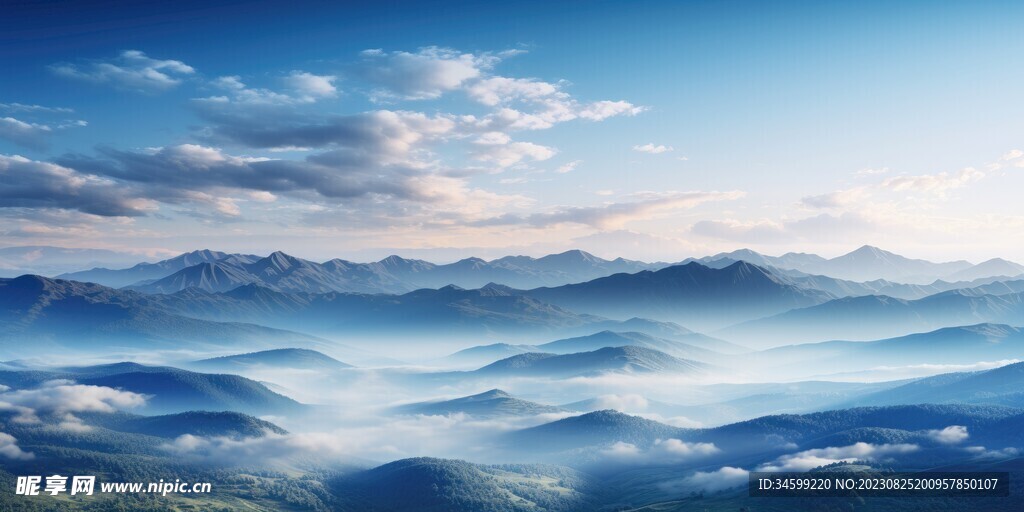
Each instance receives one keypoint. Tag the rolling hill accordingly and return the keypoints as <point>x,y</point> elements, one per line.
<point>429,484</point>
<point>627,359</point>
<point>875,317</point>
<point>82,316</point>
<point>291,358</point>
<point>489,404</point>
<point>999,386</point>
<point>169,390</point>
<point>197,423</point>
<point>637,339</point>
<point>963,345</point>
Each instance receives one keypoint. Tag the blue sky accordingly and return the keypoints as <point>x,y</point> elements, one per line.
<point>653,130</point>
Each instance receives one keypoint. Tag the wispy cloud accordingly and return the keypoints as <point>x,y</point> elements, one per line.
<point>652,148</point>
<point>131,69</point>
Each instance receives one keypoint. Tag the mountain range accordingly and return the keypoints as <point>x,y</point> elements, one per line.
<point>692,294</point>
<point>870,263</point>
<point>862,271</point>
<point>215,271</point>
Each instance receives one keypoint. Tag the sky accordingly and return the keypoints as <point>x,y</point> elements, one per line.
<point>649,130</point>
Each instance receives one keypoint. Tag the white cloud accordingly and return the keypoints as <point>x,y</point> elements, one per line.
<point>937,184</point>
<point>9,448</point>
<point>132,69</point>
<point>810,459</point>
<point>32,184</point>
<point>58,400</point>
<point>872,171</point>
<point>305,88</point>
<point>425,74</point>
<point>568,166</point>
<point>953,434</point>
<point>21,107</point>
<point>650,147</point>
<point>601,110</point>
<point>723,478</point>
<point>622,403</point>
<point>995,454</point>
<point>498,148</point>
<point>616,215</point>
<point>661,452</point>
<point>33,135</point>
<point>61,396</point>
<point>498,90</point>
<point>310,85</point>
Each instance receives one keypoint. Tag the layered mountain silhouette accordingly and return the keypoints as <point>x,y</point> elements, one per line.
<point>144,272</point>
<point>196,423</point>
<point>769,436</point>
<point>284,358</point>
<point>489,404</point>
<point>168,389</point>
<point>963,345</point>
<point>627,359</point>
<point>875,317</point>
<point>688,346</point>
<point>460,486</point>
<point>866,263</point>
<point>59,313</point>
<point>699,349</point>
<point>214,271</point>
<point>598,428</point>
<point>692,294</point>
<point>999,386</point>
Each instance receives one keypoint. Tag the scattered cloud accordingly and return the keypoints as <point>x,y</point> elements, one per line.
<point>131,70</point>
<point>937,184</point>
<point>30,134</point>
<point>601,110</point>
<point>810,459</point>
<point>994,454</point>
<point>58,400</point>
<point>616,215</point>
<point>21,107</point>
<point>568,166</point>
<point>723,478</point>
<point>498,148</point>
<point>500,90</point>
<point>26,183</point>
<point>303,88</point>
<point>313,86</point>
<point>622,403</point>
<point>653,149</point>
<point>425,74</point>
<point>660,452</point>
<point>954,434</point>
<point>9,448</point>
<point>871,171</point>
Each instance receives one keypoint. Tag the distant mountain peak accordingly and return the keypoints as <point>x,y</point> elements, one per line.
<point>576,255</point>
<point>490,395</point>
